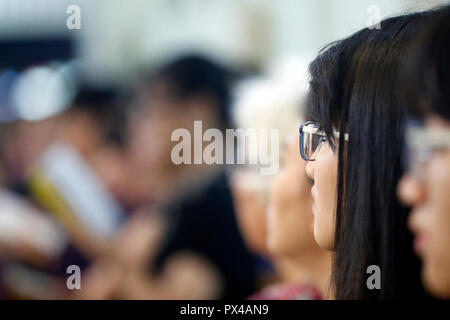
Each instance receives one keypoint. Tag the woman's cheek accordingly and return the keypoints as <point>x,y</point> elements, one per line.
<point>326,173</point>
<point>439,216</point>
<point>323,232</point>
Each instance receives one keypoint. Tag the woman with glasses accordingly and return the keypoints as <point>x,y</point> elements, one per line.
<point>426,185</point>
<point>353,145</point>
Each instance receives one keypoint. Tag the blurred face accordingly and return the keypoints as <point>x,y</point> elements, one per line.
<point>151,146</point>
<point>289,216</point>
<point>427,190</point>
<point>151,128</point>
<point>323,173</point>
<point>251,207</point>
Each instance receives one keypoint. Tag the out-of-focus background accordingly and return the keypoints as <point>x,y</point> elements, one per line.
<point>86,115</point>
<point>117,38</point>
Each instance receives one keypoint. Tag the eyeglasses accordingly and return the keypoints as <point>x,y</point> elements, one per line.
<point>421,142</point>
<point>312,139</point>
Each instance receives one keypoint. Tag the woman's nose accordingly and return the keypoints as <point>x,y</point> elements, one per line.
<point>410,191</point>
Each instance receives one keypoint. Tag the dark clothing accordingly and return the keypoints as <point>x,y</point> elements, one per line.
<point>205,223</point>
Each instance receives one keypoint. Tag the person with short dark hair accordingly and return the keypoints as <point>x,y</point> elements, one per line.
<point>195,198</point>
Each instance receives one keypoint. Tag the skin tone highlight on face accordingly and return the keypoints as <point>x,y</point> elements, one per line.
<point>428,193</point>
<point>323,172</point>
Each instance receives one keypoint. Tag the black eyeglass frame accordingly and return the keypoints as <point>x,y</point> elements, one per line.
<point>319,132</point>
<point>301,143</point>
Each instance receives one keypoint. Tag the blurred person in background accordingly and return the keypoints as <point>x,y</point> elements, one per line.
<point>266,102</point>
<point>278,207</point>
<point>425,187</point>
<point>77,176</point>
<point>195,199</point>
<point>70,165</point>
<point>304,267</point>
<point>259,103</point>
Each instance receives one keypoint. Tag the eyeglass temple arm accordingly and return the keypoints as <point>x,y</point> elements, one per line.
<point>316,131</point>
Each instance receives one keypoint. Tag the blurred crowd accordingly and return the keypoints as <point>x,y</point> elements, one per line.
<point>87,180</point>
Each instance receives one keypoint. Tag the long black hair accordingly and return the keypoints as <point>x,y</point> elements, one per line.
<point>352,90</point>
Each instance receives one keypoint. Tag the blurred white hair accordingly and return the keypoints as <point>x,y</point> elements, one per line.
<point>274,101</point>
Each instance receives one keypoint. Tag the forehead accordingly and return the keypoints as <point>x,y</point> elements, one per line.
<point>155,98</point>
